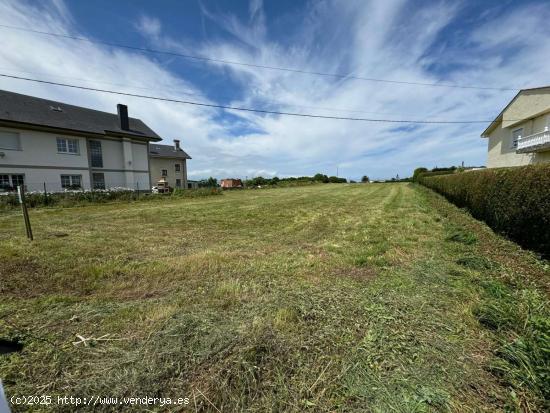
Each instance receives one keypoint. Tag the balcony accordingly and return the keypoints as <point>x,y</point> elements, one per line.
<point>536,142</point>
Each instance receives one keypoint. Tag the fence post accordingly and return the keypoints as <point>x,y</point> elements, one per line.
<point>137,187</point>
<point>21,194</point>
<point>45,194</point>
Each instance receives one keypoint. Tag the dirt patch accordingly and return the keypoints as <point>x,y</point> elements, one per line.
<point>22,278</point>
<point>358,273</point>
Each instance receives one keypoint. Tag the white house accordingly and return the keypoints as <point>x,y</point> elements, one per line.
<point>43,142</point>
<point>520,134</point>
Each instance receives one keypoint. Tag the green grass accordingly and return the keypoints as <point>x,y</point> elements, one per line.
<point>378,298</point>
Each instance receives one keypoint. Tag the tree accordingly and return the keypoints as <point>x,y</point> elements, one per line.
<point>365,179</point>
<point>417,172</point>
<point>208,183</point>
<point>336,180</point>
<point>257,181</point>
<point>321,178</point>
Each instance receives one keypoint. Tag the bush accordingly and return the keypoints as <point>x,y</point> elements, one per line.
<point>513,201</point>
<point>208,183</point>
<point>435,173</point>
<point>417,172</point>
<point>321,178</point>
<point>336,180</point>
<point>75,198</point>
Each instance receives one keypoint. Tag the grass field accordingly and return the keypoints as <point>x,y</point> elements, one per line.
<point>377,298</point>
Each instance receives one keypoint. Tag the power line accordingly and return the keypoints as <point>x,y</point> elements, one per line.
<point>231,62</point>
<point>226,107</point>
<point>171,90</point>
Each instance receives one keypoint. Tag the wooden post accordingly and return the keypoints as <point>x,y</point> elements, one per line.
<point>21,194</point>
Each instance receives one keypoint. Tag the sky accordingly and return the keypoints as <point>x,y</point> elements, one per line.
<point>489,44</point>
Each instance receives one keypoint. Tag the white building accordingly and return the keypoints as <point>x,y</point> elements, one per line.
<point>62,146</point>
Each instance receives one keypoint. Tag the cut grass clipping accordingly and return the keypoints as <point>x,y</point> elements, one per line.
<point>353,298</point>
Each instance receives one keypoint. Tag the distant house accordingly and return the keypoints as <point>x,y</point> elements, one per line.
<point>169,162</point>
<point>69,147</point>
<point>520,134</point>
<point>231,183</point>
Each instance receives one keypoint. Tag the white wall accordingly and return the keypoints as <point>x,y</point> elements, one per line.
<point>112,154</point>
<point>35,178</point>
<point>38,160</point>
<point>140,154</point>
<point>40,148</point>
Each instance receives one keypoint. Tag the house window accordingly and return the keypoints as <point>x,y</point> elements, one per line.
<point>67,146</point>
<point>16,180</point>
<point>9,140</point>
<point>178,166</point>
<point>178,183</point>
<point>98,180</point>
<point>71,181</point>
<point>96,155</point>
<point>5,182</point>
<point>516,135</point>
<point>165,172</point>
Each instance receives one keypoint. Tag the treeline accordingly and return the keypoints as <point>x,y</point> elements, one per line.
<point>260,181</point>
<point>276,181</point>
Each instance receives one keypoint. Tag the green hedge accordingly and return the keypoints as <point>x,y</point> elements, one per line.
<point>435,173</point>
<point>512,201</point>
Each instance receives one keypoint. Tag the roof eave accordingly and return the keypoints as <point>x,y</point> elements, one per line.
<point>498,119</point>
<point>492,126</point>
<point>133,135</point>
<point>168,156</point>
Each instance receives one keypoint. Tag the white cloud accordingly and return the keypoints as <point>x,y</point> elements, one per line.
<point>391,39</point>
<point>149,26</point>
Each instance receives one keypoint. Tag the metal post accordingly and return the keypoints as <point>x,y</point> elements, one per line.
<point>45,195</point>
<point>21,194</point>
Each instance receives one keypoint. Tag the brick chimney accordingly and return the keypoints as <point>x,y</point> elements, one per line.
<point>177,145</point>
<point>123,117</point>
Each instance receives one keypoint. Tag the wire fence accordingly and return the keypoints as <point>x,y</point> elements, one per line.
<point>69,186</point>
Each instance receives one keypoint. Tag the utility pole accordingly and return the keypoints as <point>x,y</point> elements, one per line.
<point>21,195</point>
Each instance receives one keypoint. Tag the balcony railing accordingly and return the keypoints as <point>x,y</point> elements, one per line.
<point>534,143</point>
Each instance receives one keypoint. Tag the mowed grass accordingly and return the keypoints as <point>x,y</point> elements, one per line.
<point>352,298</point>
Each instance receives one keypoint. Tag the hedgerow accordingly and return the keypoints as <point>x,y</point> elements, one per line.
<point>82,197</point>
<point>513,201</point>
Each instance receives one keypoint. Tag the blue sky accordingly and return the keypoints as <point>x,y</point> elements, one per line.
<point>485,43</point>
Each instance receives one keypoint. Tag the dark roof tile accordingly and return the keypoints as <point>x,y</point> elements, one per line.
<point>15,107</point>
<point>166,151</point>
